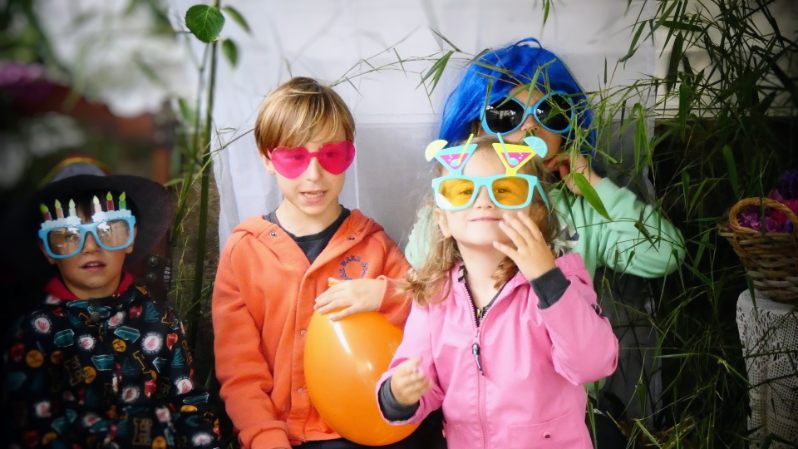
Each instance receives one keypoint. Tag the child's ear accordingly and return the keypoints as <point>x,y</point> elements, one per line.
<point>443,223</point>
<point>268,163</point>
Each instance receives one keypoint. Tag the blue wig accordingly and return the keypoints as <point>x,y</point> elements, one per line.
<point>502,70</point>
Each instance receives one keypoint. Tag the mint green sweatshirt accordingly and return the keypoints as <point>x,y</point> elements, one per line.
<point>617,243</point>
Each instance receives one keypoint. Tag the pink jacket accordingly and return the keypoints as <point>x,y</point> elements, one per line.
<point>534,363</point>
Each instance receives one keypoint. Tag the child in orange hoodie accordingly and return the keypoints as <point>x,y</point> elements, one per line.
<point>275,270</point>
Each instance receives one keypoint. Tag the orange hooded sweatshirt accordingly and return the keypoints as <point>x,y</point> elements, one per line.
<point>262,303</point>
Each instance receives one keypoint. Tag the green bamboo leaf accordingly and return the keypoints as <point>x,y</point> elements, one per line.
<point>399,60</point>
<point>664,13</point>
<point>436,71</point>
<point>642,427</point>
<point>786,81</point>
<point>702,246</point>
<point>186,111</point>
<point>685,103</point>
<point>590,194</point>
<point>685,185</point>
<point>640,226</point>
<point>731,168</point>
<point>633,45</point>
<point>673,62</point>
<point>683,26</point>
<point>546,10</point>
<point>237,18</point>
<point>451,44</point>
<point>230,50</point>
<point>641,135</point>
<point>205,22</point>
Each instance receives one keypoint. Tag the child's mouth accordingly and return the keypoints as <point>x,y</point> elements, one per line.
<point>93,266</point>
<point>313,196</point>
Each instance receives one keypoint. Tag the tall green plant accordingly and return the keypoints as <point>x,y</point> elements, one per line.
<point>205,23</point>
<point>725,120</point>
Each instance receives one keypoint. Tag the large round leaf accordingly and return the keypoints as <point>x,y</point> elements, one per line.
<point>205,22</point>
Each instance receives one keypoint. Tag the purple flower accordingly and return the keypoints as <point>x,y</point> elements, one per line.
<point>749,218</point>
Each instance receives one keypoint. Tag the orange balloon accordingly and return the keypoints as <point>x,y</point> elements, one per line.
<point>343,361</point>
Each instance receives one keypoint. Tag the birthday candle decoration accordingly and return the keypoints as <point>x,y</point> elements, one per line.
<point>59,213</point>
<point>109,202</point>
<point>72,211</point>
<point>122,199</point>
<point>45,212</point>
<point>96,203</point>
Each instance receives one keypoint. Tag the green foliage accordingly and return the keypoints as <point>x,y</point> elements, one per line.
<point>725,139</point>
<point>230,51</point>
<point>237,17</point>
<point>590,194</point>
<point>205,22</point>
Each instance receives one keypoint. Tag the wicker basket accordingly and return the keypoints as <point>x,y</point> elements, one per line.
<point>770,259</point>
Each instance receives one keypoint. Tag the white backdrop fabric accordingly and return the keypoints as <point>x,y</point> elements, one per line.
<point>395,117</point>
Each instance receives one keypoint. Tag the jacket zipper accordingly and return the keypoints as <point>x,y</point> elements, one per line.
<point>477,353</point>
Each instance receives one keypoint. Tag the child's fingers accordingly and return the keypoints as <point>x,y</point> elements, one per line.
<point>532,227</point>
<point>332,302</point>
<point>521,227</point>
<point>343,313</point>
<point>555,161</point>
<point>506,250</point>
<point>510,227</point>
<point>425,387</point>
<point>324,299</point>
<point>332,282</point>
<point>409,365</point>
<point>416,381</point>
<point>327,307</point>
<point>408,368</point>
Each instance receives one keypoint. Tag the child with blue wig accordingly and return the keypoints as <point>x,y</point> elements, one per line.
<point>523,90</point>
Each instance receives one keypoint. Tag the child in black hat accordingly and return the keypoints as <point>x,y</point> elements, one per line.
<point>101,363</point>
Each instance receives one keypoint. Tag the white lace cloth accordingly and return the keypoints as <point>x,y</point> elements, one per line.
<point>769,334</point>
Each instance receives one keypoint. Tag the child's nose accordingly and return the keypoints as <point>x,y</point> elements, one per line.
<point>530,125</point>
<point>314,169</point>
<point>90,245</point>
<point>483,198</point>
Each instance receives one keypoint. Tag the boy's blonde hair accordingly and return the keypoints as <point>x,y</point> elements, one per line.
<point>299,110</point>
<point>427,282</point>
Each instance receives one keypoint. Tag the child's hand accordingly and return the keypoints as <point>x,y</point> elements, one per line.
<point>359,295</point>
<point>562,164</point>
<point>408,383</point>
<point>531,254</point>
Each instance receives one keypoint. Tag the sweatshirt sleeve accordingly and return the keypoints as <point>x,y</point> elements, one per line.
<point>416,343</point>
<point>244,375</point>
<point>395,305</point>
<point>637,239</point>
<point>584,346</point>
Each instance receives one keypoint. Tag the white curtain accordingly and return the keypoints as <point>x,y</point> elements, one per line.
<point>394,115</point>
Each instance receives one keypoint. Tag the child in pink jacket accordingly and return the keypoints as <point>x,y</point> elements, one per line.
<point>502,335</point>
